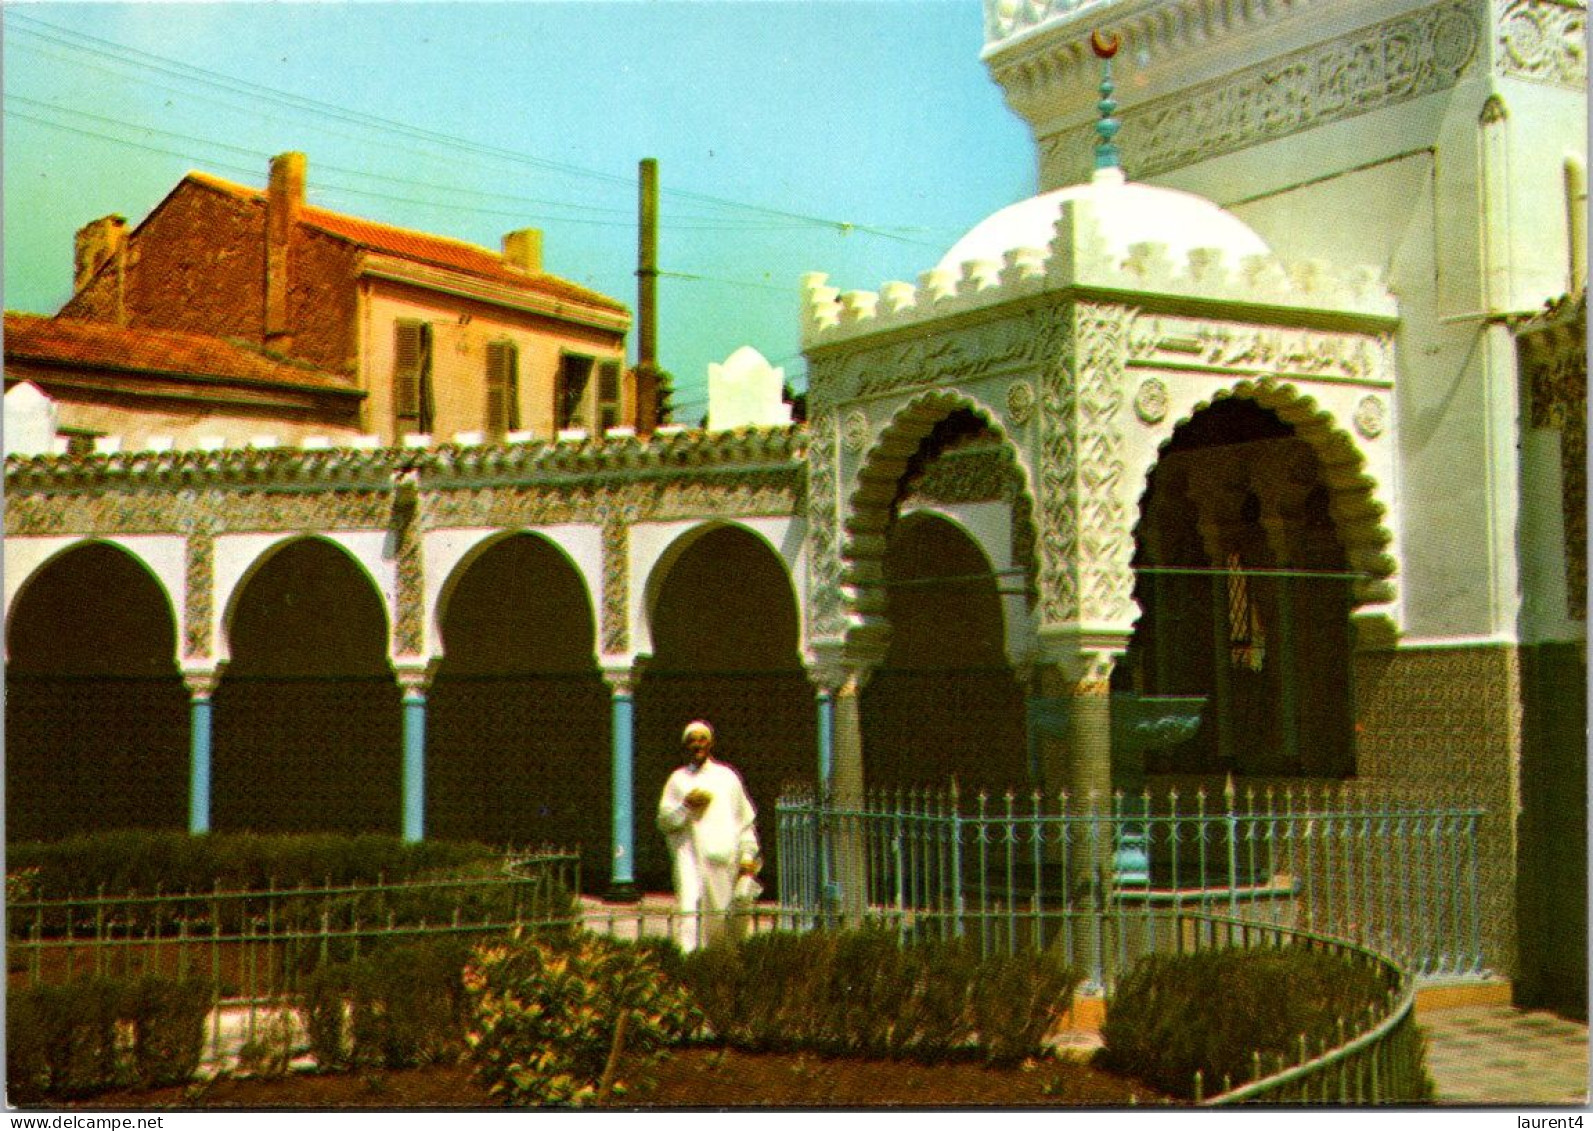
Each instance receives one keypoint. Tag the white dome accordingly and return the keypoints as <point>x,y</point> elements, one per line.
<point>1126,214</point>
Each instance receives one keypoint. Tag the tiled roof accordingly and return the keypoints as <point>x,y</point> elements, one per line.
<point>422,247</point>
<point>100,345</point>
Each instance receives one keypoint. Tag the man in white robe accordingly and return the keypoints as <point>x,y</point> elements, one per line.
<point>708,822</point>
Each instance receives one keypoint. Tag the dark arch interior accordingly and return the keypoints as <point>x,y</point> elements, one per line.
<point>307,714</point>
<point>945,702</point>
<point>96,714</point>
<point>1263,637</point>
<point>725,637</point>
<point>517,749</point>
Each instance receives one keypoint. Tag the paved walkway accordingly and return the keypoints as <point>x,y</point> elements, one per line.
<point>1482,1055</point>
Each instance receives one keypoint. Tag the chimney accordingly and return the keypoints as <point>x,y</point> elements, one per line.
<point>284,200</point>
<point>98,241</point>
<point>523,249</point>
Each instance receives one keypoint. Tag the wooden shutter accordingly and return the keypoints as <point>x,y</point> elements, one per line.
<point>503,394</point>
<point>608,394</point>
<point>408,348</point>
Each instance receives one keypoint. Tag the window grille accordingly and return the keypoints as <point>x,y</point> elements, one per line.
<point>1246,637</point>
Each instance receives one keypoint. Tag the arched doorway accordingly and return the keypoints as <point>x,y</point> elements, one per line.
<point>307,730</point>
<point>518,715</point>
<point>725,648</point>
<point>1246,593</point>
<point>945,703</point>
<point>96,714</point>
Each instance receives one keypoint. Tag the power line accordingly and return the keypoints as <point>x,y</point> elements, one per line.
<point>82,42</point>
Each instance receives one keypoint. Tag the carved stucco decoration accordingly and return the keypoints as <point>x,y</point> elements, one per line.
<point>826,612</point>
<point>1105,541</point>
<point>1407,57</point>
<point>1545,41</point>
<point>1020,403</point>
<point>856,431</point>
<point>1056,531</point>
<point>200,583</point>
<point>616,580</point>
<point>932,360</point>
<point>1371,417</point>
<point>1151,400</point>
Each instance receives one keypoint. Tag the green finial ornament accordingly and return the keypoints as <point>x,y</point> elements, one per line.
<point>1106,151</point>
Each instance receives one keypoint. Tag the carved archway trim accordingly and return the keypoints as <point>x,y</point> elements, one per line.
<point>1358,500</point>
<point>870,504</point>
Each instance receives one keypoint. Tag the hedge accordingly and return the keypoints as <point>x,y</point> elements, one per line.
<point>1210,1011</point>
<point>88,1036</point>
<point>865,993</point>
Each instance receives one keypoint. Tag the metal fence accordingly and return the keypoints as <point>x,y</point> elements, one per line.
<point>1107,881</point>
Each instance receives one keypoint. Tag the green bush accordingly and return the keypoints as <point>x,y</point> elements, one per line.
<point>397,1007</point>
<point>88,1036</point>
<point>168,1020</point>
<point>551,1017</point>
<point>865,993</point>
<point>143,860</point>
<point>1210,1011</point>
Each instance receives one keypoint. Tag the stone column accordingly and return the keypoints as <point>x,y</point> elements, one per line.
<point>847,795</point>
<point>414,679</point>
<point>201,684</point>
<point>622,751</point>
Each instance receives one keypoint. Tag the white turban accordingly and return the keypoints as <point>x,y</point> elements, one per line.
<point>697,726</point>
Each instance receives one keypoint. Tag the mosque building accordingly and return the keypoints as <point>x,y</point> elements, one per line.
<point>1272,400</point>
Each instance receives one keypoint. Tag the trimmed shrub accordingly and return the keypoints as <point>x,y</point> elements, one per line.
<point>552,1018</point>
<point>1210,1011</point>
<point>168,1020</point>
<point>865,993</point>
<point>88,1036</point>
<point>144,860</point>
<point>397,1007</point>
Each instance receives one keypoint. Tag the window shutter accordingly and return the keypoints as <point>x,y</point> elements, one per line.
<point>407,349</point>
<point>503,410</point>
<point>608,394</point>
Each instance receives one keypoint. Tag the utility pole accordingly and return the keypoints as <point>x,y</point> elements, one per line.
<point>647,299</point>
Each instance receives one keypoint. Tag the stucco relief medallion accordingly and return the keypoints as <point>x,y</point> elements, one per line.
<point>1020,402</point>
<point>854,430</point>
<point>1371,417</point>
<point>1150,402</point>
<point>1454,40</point>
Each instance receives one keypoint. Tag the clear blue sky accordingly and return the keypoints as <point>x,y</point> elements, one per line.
<point>855,137</point>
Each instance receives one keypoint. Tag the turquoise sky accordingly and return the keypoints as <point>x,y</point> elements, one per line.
<point>855,137</point>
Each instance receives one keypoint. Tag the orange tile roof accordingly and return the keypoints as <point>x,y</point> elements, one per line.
<point>101,345</point>
<point>422,247</point>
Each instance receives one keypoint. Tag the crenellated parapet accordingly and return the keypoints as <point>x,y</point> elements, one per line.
<point>1079,258</point>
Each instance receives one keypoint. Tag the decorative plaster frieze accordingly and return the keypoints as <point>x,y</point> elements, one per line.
<point>1020,403</point>
<point>198,605</point>
<point>616,580</point>
<point>1543,40</point>
<point>1105,538</point>
<point>1246,350</point>
<point>1077,259</point>
<point>409,620</point>
<point>1407,57</point>
<point>1056,527</point>
<point>826,611</point>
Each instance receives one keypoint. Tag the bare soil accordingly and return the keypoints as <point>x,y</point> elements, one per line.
<point>687,1078</point>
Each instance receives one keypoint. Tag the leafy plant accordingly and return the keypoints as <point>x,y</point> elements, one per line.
<point>553,1018</point>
